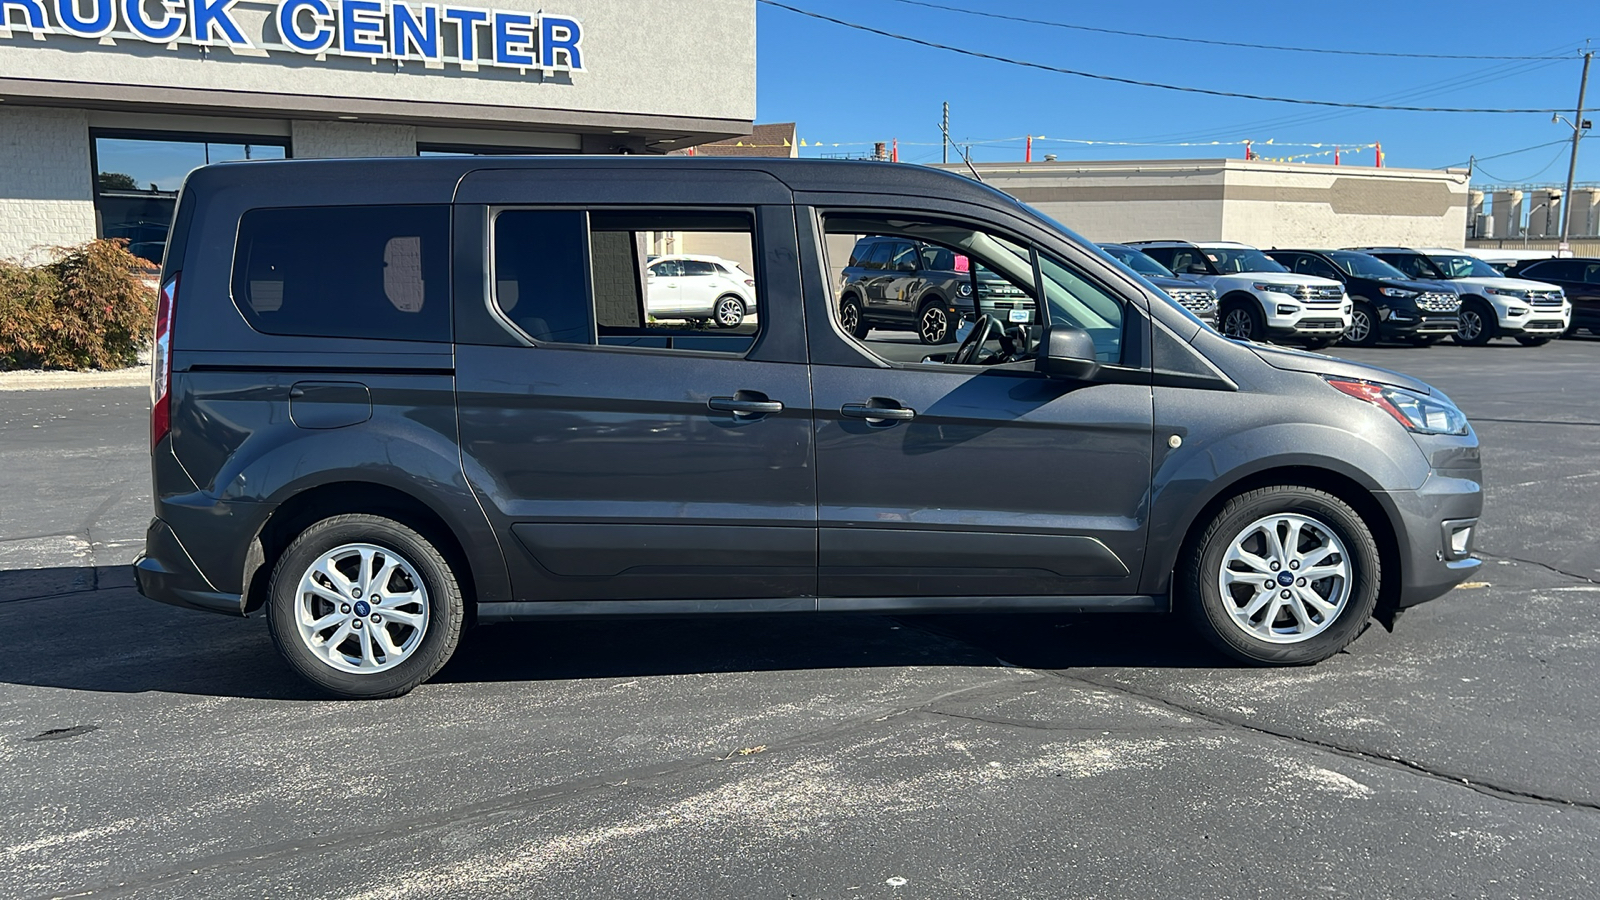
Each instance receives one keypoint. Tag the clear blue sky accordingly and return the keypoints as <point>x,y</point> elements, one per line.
<point>849,87</point>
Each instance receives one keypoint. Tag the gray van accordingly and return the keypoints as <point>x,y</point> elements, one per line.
<point>396,397</point>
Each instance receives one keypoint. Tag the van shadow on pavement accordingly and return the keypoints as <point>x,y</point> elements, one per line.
<point>89,630</point>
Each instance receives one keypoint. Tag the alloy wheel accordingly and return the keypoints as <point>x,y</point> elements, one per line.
<point>850,317</point>
<point>1285,578</point>
<point>935,325</point>
<point>730,312</point>
<point>1471,326</point>
<point>1360,327</point>
<point>361,608</point>
<point>1237,324</point>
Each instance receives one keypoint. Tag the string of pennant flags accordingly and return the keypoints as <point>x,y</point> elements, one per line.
<point>1252,148</point>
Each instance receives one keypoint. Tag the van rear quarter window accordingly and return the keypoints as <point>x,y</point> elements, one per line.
<point>345,271</point>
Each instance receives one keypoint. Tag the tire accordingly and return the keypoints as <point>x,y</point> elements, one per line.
<point>351,546</point>
<point>1282,637</point>
<point>850,317</point>
<point>1478,325</point>
<point>1242,320</point>
<point>1364,329</point>
<point>1528,340</point>
<point>933,322</point>
<point>729,311</point>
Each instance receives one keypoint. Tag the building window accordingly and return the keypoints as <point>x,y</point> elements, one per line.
<point>137,176</point>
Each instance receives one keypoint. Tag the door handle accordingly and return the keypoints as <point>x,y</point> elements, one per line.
<point>746,405</point>
<point>878,411</point>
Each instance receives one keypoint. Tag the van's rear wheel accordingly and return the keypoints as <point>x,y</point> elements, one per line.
<point>1282,576</point>
<point>364,607</point>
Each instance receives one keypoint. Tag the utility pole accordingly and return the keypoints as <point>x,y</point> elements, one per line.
<point>944,128</point>
<point>1572,167</point>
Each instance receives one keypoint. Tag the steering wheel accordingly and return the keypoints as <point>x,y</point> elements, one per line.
<point>967,353</point>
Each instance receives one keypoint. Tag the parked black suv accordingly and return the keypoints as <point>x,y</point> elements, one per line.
<point>1197,298</point>
<point>395,396</point>
<point>904,285</point>
<point>1578,278</point>
<point>1388,305</point>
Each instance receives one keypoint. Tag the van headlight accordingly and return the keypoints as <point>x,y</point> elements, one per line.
<point>1420,413</point>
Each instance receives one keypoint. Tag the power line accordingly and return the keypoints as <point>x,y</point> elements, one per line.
<point>1215,43</point>
<point>1479,159</point>
<point>1135,82</point>
<point>1526,178</point>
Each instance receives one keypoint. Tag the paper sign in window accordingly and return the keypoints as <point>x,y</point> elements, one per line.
<point>402,273</point>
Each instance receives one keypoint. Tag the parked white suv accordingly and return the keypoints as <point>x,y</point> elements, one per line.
<point>685,286</point>
<point>1492,305</point>
<point>1256,296</point>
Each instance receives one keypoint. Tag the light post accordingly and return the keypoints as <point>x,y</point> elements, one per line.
<point>1529,226</point>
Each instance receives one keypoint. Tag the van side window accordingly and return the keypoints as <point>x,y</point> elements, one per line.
<point>651,280</point>
<point>345,271</point>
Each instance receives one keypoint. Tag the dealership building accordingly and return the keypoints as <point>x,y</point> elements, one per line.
<point>106,104</point>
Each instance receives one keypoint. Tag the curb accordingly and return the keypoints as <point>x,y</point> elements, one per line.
<point>34,380</point>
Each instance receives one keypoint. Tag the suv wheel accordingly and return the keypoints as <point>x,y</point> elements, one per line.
<point>1477,324</point>
<point>1243,321</point>
<point>933,323</point>
<point>1363,330</point>
<point>850,318</point>
<point>1282,576</point>
<point>730,311</point>
<point>364,607</point>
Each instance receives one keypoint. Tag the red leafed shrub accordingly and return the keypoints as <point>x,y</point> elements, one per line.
<point>89,308</point>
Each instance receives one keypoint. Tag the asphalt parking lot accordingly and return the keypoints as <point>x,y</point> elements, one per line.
<point>154,752</point>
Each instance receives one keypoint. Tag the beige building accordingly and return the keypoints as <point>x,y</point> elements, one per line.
<point>1266,204</point>
<point>106,104</point>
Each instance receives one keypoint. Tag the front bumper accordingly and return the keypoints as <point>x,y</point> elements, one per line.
<point>1538,320</point>
<point>1329,320</point>
<point>1411,324</point>
<point>165,572</point>
<point>1438,525</point>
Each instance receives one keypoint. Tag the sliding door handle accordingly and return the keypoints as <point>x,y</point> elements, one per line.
<point>878,411</point>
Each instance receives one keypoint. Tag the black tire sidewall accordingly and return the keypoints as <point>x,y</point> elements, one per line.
<point>445,605</point>
<point>860,331</point>
<point>1203,598</point>
<point>1486,315</point>
<point>1258,324</point>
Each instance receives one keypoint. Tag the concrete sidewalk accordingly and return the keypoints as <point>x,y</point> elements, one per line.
<point>48,380</point>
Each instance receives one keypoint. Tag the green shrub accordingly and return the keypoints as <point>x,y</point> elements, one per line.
<point>89,308</point>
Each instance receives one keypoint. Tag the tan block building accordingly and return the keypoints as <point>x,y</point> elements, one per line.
<point>1265,204</point>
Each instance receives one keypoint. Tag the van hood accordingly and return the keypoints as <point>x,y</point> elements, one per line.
<point>1316,364</point>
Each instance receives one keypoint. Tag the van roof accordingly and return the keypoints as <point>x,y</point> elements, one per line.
<point>443,172</point>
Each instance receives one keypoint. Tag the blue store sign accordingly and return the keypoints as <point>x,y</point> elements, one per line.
<point>367,29</point>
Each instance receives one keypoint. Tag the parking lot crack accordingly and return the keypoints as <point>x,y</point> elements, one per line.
<point>1543,565</point>
<point>1458,779</point>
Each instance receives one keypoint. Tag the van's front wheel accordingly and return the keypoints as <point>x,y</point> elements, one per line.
<point>1282,576</point>
<point>364,607</point>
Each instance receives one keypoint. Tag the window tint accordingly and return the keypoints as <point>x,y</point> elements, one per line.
<point>1074,300</point>
<point>539,279</point>
<point>1558,269</point>
<point>879,257</point>
<point>354,271</point>
<point>1592,276</point>
<point>581,278</point>
<point>1167,256</point>
<point>1312,265</point>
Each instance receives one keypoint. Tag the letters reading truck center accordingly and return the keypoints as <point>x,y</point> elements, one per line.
<point>374,29</point>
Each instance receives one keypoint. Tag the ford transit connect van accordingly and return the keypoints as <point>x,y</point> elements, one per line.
<point>395,397</point>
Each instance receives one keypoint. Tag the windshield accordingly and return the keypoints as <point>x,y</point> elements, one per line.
<point>1363,266</point>
<point>1463,266</point>
<point>1231,260</point>
<point>1138,262</point>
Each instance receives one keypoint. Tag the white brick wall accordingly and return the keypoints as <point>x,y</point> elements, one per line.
<point>46,188</point>
<point>334,140</point>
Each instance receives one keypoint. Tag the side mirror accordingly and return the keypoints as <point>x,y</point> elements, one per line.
<point>1066,352</point>
<point>1197,269</point>
<point>908,267</point>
